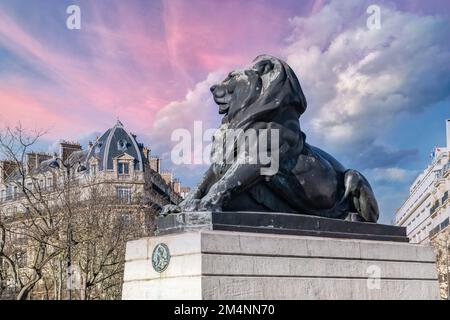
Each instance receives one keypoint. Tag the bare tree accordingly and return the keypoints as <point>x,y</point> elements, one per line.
<point>72,233</point>
<point>34,230</point>
<point>441,243</point>
<point>102,225</point>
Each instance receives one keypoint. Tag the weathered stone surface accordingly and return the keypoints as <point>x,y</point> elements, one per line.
<point>137,249</point>
<point>232,265</point>
<point>311,267</point>
<point>180,288</point>
<point>188,244</point>
<point>262,288</point>
<point>179,266</point>
<point>278,223</point>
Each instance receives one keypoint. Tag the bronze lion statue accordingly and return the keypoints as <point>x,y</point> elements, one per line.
<point>307,181</point>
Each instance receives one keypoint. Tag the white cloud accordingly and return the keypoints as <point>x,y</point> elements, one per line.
<point>391,175</point>
<point>83,139</point>
<point>197,105</point>
<point>357,80</point>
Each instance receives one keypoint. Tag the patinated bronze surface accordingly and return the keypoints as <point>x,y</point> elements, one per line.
<point>309,181</point>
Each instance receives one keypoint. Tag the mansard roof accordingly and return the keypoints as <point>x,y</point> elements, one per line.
<point>114,143</point>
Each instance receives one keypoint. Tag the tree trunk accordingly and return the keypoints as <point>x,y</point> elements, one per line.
<point>24,293</point>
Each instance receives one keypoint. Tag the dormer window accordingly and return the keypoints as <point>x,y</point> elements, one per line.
<point>98,147</point>
<point>122,145</point>
<point>123,168</point>
<point>49,183</point>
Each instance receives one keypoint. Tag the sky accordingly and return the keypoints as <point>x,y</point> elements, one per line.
<point>377,98</point>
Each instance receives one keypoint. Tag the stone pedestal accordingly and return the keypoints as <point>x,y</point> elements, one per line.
<point>212,264</point>
<point>278,223</point>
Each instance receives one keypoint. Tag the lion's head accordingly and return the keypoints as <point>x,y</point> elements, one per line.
<point>254,93</point>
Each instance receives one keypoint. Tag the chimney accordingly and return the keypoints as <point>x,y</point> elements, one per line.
<point>146,152</point>
<point>155,164</point>
<point>448,134</point>
<point>31,162</point>
<point>66,148</point>
<point>177,186</point>
<point>167,176</point>
<point>6,168</point>
<point>34,159</point>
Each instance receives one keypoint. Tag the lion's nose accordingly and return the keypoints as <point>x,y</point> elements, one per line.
<point>217,91</point>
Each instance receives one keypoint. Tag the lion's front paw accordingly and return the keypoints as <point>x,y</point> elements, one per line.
<point>209,206</point>
<point>170,208</point>
<point>354,217</point>
<point>213,200</point>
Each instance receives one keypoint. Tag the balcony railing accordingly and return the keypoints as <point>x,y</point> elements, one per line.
<point>444,224</point>
<point>446,168</point>
<point>434,207</point>
<point>441,173</point>
<point>12,197</point>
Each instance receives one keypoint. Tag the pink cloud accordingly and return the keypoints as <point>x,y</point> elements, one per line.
<point>25,107</point>
<point>220,35</point>
<point>134,64</point>
<point>98,86</point>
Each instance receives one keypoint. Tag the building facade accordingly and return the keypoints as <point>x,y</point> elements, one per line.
<point>426,211</point>
<point>116,158</point>
<point>48,200</point>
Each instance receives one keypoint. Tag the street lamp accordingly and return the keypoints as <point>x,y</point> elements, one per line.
<point>56,164</point>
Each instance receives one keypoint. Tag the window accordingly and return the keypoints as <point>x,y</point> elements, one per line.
<point>124,194</point>
<point>445,196</point>
<point>122,145</point>
<point>8,193</point>
<point>123,168</point>
<point>11,211</point>
<point>93,170</point>
<point>98,147</point>
<point>49,183</point>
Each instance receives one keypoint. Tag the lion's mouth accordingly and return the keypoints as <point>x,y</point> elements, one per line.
<point>223,106</point>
